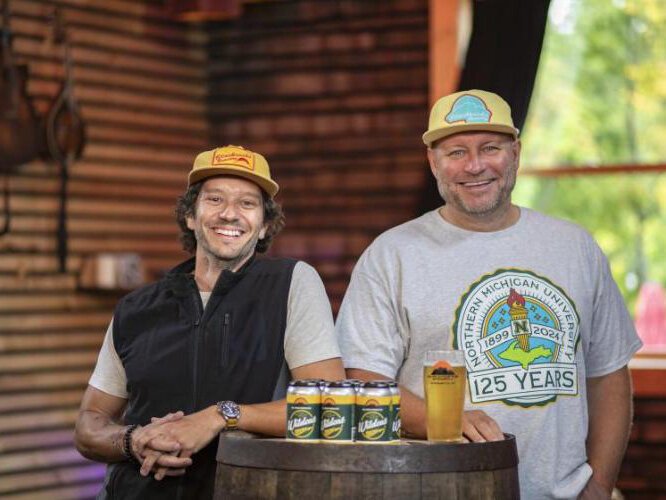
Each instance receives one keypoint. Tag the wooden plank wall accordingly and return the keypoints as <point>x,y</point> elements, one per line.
<point>335,94</point>
<point>141,82</point>
<point>643,473</point>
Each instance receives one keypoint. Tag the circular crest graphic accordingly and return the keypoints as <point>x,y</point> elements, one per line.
<point>519,333</point>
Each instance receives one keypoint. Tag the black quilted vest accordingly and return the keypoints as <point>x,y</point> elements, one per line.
<point>178,356</point>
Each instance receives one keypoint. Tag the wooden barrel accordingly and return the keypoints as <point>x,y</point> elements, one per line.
<point>275,468</point>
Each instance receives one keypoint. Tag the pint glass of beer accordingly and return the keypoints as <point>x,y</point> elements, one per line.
<point>444,381</point>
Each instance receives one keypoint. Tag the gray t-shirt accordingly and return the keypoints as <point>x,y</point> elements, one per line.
<point>427,284</point>
<point>308,337</point>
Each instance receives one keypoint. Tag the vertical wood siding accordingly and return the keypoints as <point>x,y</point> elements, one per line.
<point>141,83</point>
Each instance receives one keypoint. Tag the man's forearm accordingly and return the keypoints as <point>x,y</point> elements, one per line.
<point>265,418</point>
<point>610,414</point>
<point>412,415</point>
<point>98,438</point>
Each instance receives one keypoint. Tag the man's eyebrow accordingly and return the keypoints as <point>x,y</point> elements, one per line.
<point>242,194</point>
<point>495,141</point>
<point>222,191</point>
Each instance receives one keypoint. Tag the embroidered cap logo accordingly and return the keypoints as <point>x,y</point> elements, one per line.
<point>469,109</point>
<point>237,158</point>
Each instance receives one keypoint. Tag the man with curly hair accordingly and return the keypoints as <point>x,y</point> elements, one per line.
<point>208,347</point>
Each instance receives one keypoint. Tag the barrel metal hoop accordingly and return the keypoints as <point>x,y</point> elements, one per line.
<point>405,457</point>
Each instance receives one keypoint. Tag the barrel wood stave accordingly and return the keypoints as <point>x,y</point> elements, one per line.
<point>273,468</point>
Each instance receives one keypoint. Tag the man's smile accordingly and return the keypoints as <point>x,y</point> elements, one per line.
<point>476,185</point>
<point>229,232</point>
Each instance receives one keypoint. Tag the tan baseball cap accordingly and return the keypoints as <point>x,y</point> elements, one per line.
<point>234,160</point>
<point>469,111</point>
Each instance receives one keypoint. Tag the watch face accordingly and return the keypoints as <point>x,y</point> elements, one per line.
<point>230,409</point>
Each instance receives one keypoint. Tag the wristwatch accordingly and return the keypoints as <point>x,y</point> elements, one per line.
<point>230,412</point>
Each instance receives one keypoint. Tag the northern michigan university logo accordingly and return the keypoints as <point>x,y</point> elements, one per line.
<point>519,333</point>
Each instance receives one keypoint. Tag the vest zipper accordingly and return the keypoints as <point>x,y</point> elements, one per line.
<point>197,338</point>
<point>225,339</point>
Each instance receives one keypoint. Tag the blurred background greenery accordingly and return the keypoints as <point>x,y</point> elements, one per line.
<point>600,100</point>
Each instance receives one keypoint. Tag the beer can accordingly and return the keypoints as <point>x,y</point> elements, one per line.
<point>303,411</point>
<point>337,412</point>
<point>373,413</point>
<point>396,423</point>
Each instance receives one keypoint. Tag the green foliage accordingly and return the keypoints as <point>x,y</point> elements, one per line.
<point>600,98</point>
<point>600,89</point>
<point>625,213</point>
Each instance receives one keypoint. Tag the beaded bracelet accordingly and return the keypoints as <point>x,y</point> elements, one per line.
<point>127,443</point>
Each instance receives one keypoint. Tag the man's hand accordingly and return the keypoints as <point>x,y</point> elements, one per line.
<point>153,436</point>
<point>478,427</point>
<point>193,432</point>
<point>162,464</point>
<point>169,417</point>
<point>156,451</point>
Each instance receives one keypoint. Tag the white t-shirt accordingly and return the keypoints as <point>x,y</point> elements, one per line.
<point>308,337</point>
<point>427,284</point>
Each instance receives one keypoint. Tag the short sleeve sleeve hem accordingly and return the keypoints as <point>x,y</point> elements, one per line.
<point>309,335</point>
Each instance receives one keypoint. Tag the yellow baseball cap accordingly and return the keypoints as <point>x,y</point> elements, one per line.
<point>469,111</point>
<point>234,160</point>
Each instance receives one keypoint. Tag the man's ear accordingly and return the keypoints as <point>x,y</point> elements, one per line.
<point>516,147</point>
<point>432,160</point>
<point>262,233</point>
<point>189,220</point>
